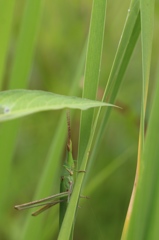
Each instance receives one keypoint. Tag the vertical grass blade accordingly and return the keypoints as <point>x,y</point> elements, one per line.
<point>144,218</point>
<point>137,218</point>
<point>92,70</point>
<point>26,44</point>
<point>32,228</point>
<point>147,24</point>
<point>107,171</point>
<point>6,16</point>
<point>21,68</point>
<point>147,19</point>
<point>126,44</point>
<point>95,44</point>
<point>124,52</point>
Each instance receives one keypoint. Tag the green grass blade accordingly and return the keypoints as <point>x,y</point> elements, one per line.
<point>147,15</point>
<point>31,228</point>
<point>128,42</point>
<point>124,52</point>
<point>92,70</point>
<point>18,79</point>
<point>95,44</point>
<point>125,48</point>
<point>108,170</point>
<point>147,24</point>
<point>144,218</point>
<point>131,228</point>
<point>71,210</point>
<point>122,58</point>
<point>26,44</point>
<point>6,16</point>
<point>17,103</point>
<point>8,135</point>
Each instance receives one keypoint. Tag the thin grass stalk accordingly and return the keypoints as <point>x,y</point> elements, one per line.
<point>6,18</point>
<point>93,61</point>
<point>124,52</point>
<point>147,15</point>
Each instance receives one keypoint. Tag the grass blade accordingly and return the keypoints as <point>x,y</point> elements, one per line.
<point>31,228</point>
<point>6,16</point>
<point>92,70</point>
<point>26,44</point>
<point>124,52</point>
<point>17,103</point>
<point>144,218</point>
<point>18,79</point>
<point>136,212</point>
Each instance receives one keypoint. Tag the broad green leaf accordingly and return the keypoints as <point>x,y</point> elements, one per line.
<point>18,103</point>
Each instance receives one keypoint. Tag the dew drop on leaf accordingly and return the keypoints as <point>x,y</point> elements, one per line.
<point>4,109</point>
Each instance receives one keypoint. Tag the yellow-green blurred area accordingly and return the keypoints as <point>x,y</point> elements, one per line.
<point>62,34</point>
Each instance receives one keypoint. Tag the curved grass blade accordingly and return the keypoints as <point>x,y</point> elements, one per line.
<point>137,213</point>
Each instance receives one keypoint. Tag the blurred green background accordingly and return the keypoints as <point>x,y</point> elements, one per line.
<point>62,33</point>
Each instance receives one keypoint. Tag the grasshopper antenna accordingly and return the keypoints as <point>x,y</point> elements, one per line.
<point>69,130</point>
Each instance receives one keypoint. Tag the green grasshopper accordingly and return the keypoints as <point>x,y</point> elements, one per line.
<point>66,186</point>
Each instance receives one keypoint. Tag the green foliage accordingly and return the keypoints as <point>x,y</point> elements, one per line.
<point>41,46</point>
<point>18,103</point>
<point>6,15</point>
